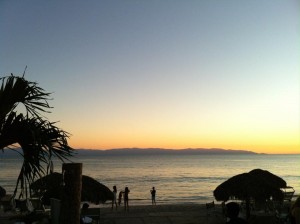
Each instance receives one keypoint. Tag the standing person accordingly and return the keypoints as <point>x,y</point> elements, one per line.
<point>114,201</point>
<point>153,193</point>
<point>126,199</point>
<point>120,197</point>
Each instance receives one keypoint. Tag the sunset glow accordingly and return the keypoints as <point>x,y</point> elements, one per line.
<point>162,74</point>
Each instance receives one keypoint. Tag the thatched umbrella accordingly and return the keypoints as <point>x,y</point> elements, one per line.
<point>257,184</point>
<point>2,192</point>
<point>271,178</point>
<point>50,186</point>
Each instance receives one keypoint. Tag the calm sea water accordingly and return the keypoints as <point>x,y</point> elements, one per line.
<point>177,178</point>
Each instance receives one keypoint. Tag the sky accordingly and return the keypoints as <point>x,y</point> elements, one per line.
<point>168,74</point>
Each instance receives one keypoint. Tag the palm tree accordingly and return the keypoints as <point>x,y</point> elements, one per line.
<point>39,139</point>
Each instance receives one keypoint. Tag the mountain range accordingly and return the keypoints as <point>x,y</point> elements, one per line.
<point>161,151</point>
<point>145,151</point>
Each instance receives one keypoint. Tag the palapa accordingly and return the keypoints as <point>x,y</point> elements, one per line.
<point>51,186</point>
<point>257,184</point>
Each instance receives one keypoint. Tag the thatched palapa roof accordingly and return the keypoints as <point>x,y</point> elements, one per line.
<point>257,184</point>
<point>51,186</point>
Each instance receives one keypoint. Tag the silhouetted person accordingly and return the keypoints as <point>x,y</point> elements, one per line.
<point>153,193</point>
<point>120,197</point>
<point>126,199</point>
<point>233,210</point>
<point>114,201</point>
<point>85,219</point>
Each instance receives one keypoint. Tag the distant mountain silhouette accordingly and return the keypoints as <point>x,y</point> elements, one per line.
<point>160,151</point>
<point>143,151</point>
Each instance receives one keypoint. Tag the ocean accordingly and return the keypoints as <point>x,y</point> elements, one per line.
<point>177,178</point>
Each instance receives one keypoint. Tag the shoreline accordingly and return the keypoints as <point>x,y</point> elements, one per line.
<point>156,207</point>
<point>147,202</point>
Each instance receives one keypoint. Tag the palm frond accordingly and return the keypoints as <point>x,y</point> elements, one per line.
<point>15,90</point>
<point>39,139</point>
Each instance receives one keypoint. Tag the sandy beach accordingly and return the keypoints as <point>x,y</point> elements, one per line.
<point>162,214</point>
<point>176,214</point>
<point>169,214</point>
<point>148,214</point>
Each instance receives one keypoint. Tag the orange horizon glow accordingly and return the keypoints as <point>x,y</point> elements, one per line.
<point>256,148</point>
<point>258,151</point>
<point>272,143</point>
<point>235,130</point>
<point>289,152</point>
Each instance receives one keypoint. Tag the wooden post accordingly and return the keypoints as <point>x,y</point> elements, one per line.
<point>71,197</point>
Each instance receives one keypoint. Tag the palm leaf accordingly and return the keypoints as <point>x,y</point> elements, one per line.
<point>16,90</point>
<point>39,139</point>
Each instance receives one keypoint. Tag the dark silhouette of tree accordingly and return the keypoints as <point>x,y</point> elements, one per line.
<point>39,139</point>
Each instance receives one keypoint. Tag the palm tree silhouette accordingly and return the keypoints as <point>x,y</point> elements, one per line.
<point>39,139</point>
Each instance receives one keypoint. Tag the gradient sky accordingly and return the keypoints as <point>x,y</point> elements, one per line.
<point>170,74</point>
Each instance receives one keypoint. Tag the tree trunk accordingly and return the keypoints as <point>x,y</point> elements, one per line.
<point>71,198</point>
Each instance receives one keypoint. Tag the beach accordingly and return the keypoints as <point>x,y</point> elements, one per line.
<point>161,214</point>
<point>184,184</point>
<point>158,214</point>
<point>180,214</point>
<point>146,214</point>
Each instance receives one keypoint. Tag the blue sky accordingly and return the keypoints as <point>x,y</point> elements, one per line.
<point>170,74</point>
